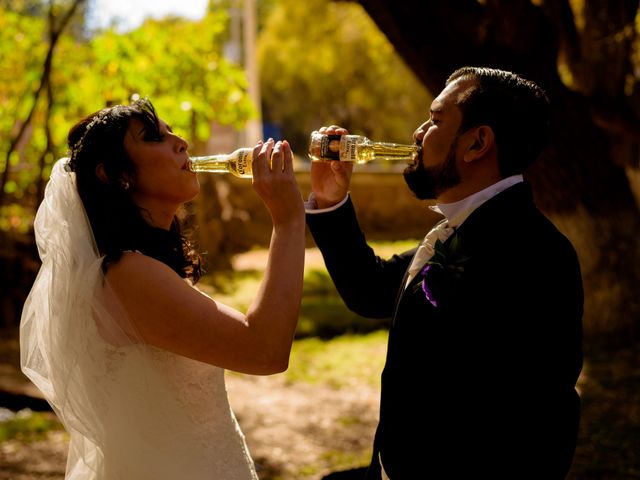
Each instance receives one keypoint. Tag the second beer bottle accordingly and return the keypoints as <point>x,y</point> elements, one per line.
<point>357,149</point>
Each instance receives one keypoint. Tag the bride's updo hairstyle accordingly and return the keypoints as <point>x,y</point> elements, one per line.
<point>118,224</point>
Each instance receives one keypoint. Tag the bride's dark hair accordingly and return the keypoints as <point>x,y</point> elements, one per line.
<point>118,224</point>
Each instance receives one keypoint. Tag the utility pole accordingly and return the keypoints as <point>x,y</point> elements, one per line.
<point>241,49</point>
<point>253,130</point>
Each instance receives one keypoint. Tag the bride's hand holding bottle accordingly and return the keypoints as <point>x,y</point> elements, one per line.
<point>275,183</point>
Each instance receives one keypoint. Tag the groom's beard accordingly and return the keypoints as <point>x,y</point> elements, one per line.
<point>428,182</point>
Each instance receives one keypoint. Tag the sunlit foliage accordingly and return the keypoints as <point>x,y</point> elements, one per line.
<point>177,63</point>
<point>326,62</point>
<point>180,66</point>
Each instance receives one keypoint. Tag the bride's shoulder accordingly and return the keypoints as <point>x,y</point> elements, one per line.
<point>134,258</point>
<point>149,288</point>
<point>134,267</point>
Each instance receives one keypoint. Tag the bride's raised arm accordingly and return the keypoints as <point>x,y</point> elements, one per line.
<point>168,313</point>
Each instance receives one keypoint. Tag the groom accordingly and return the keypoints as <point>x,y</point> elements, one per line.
<point>486,318</point>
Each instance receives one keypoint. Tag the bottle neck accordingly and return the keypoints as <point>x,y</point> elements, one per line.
<point>238,163</point>
<point>210,163</point>
<point>394,151</point>
<point>362,150</point>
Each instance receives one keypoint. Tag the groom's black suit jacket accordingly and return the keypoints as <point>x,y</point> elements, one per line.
<point>481,386</point>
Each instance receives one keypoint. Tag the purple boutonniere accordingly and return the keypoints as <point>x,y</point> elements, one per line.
<point>442,271</point>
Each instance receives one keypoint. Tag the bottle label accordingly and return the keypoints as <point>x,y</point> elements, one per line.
<point>348,151</point>
<point>243,165</point>
<point>330,147</point>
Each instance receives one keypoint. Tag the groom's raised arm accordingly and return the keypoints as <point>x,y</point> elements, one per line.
<point>367,284</point>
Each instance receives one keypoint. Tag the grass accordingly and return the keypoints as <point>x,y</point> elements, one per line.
<point>322,313</point>
<point>27,426</point>
<point>347,360</point>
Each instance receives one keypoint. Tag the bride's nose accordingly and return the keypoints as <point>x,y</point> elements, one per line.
<point>181,144</point>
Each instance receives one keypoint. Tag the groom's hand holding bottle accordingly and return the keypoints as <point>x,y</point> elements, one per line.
<point>330,180</point>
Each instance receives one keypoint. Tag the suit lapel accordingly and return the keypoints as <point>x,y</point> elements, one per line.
<point>483,222</point>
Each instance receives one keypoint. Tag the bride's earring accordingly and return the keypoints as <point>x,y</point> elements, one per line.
<point>125,185</point>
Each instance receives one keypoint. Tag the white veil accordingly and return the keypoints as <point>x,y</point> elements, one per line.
<point>125,404</point>
<point>57,337</point>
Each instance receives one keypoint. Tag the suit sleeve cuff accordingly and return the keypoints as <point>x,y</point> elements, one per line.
<point>311,205</point>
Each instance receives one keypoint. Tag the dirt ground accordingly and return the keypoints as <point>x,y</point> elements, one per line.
<point>289,429</point>
<point>294,431</point>
<point>303,432</point>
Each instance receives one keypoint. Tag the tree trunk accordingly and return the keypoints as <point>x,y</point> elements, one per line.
<point>578,182</point>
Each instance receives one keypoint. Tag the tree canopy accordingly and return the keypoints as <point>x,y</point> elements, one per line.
<point>324,62</point>
<point>179,64</point>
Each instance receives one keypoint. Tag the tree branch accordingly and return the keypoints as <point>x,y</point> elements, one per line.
<point>431,44</point>
<point>44,79</point>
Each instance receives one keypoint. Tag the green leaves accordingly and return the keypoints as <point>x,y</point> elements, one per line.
<point>327,63</point>
<point>177,63</point>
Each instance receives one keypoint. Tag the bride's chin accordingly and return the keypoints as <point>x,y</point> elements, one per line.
<point>195,186</point>
<point>196,191</point>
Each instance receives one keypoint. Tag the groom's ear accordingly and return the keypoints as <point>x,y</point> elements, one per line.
<point>481,144</point>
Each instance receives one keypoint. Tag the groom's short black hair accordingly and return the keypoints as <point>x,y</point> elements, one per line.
<point>516,109</point>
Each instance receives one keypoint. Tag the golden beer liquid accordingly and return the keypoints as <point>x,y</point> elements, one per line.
<point>237,163</point>
<point>386,151</point>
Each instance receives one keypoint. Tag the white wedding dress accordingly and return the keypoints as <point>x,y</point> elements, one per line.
<point>132,411</point>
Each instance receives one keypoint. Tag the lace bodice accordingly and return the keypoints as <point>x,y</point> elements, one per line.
<point>168,417</point>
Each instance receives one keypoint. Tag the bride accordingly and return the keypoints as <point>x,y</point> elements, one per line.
<point>128,352</point>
